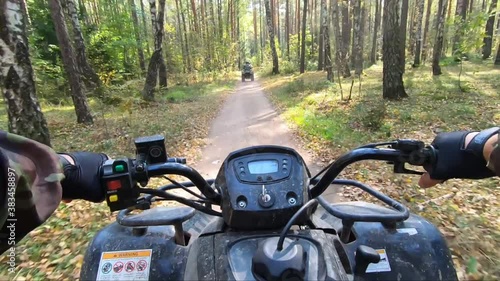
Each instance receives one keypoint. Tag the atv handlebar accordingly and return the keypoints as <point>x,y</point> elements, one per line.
<point>399,153</point>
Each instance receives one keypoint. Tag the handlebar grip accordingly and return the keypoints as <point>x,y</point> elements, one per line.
<point>423,157</point>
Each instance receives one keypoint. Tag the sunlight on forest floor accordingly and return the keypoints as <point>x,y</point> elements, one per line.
<point>466,212</point>
<point>55,250</point>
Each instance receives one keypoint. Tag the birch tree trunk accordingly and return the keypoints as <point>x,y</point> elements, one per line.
<point>16,75</point>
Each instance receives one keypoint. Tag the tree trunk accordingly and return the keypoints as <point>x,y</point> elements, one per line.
<point>186,42</point>
<point>460,17</point>
<point>312,27</point>
<point>255,42</point>
<point>16,74</point>
<point>412,30</point>
<point>488,39</point>
<point>393,87</point>
<point>497,59</point>
<point>298,28</point>
<point>340,54</point>
<point>287,28</point>
<point>426,30</point>
<point>326,34</point>
<point>270,27</point>
<point>87,72</point>
<point>180,35</point>
<point>195,17</point>
<point>357,44</point>
<point>146,35</point>
<point>69,61</point>
<point>160,32</point>
<point>438,45</point>
<point>402,34</point>
<point>374,52</point>
<point>278,29</point>
<point>321,45</point>
<point>303,46</point>
<point>149,86</point>
<point>471,6</point>
<point>157,58</point>
<point>418,41</point>
<point>138,40</point>
<point>346,30</point>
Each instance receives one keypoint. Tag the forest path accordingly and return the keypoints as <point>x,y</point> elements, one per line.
<point>248,118</point>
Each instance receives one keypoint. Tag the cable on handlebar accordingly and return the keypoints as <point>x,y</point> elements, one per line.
<point>190,203</point>
<point>184,188</point>
<point>188,172</point>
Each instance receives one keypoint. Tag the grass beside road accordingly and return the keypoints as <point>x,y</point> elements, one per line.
<point>466,212</point>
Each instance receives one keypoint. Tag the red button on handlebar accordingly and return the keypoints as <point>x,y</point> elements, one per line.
<point>114,184</point>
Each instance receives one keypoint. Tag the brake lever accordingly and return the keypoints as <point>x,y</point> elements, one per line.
<point>399,168</point>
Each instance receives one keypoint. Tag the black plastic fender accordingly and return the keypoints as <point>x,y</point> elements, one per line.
<point>414,249</point>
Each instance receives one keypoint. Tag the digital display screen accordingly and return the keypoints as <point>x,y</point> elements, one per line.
<point>263,167</point>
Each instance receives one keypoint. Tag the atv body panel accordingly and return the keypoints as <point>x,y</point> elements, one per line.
<point>414,249</point>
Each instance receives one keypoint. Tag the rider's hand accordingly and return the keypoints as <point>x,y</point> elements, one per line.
<point>456,159</point>
<point>81,171</point>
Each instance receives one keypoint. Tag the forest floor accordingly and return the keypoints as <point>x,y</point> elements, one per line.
<point>183,114</point>
<point>466,212</point>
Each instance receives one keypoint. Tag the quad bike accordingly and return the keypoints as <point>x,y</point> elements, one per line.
<point>247,73</point>
<point>273,223</point>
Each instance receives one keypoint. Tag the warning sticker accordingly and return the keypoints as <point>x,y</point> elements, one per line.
<point>382,266</point>
<point>125,265</point>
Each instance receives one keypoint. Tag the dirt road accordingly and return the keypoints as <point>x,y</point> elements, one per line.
<point>247,118</point>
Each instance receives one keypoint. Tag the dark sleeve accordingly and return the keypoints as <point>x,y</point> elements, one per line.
<point>30,188</point>
<point>495,157</point>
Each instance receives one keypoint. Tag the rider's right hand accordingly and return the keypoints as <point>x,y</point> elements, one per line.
<point>456,158</point>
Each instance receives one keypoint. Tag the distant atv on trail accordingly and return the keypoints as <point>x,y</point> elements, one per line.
<point>247,72</point>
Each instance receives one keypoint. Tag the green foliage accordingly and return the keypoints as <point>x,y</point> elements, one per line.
<point>370,114</point>
<point>287,67</point>
<point>471,33</point>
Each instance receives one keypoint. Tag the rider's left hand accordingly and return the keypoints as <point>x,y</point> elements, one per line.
<point>81,171</point>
